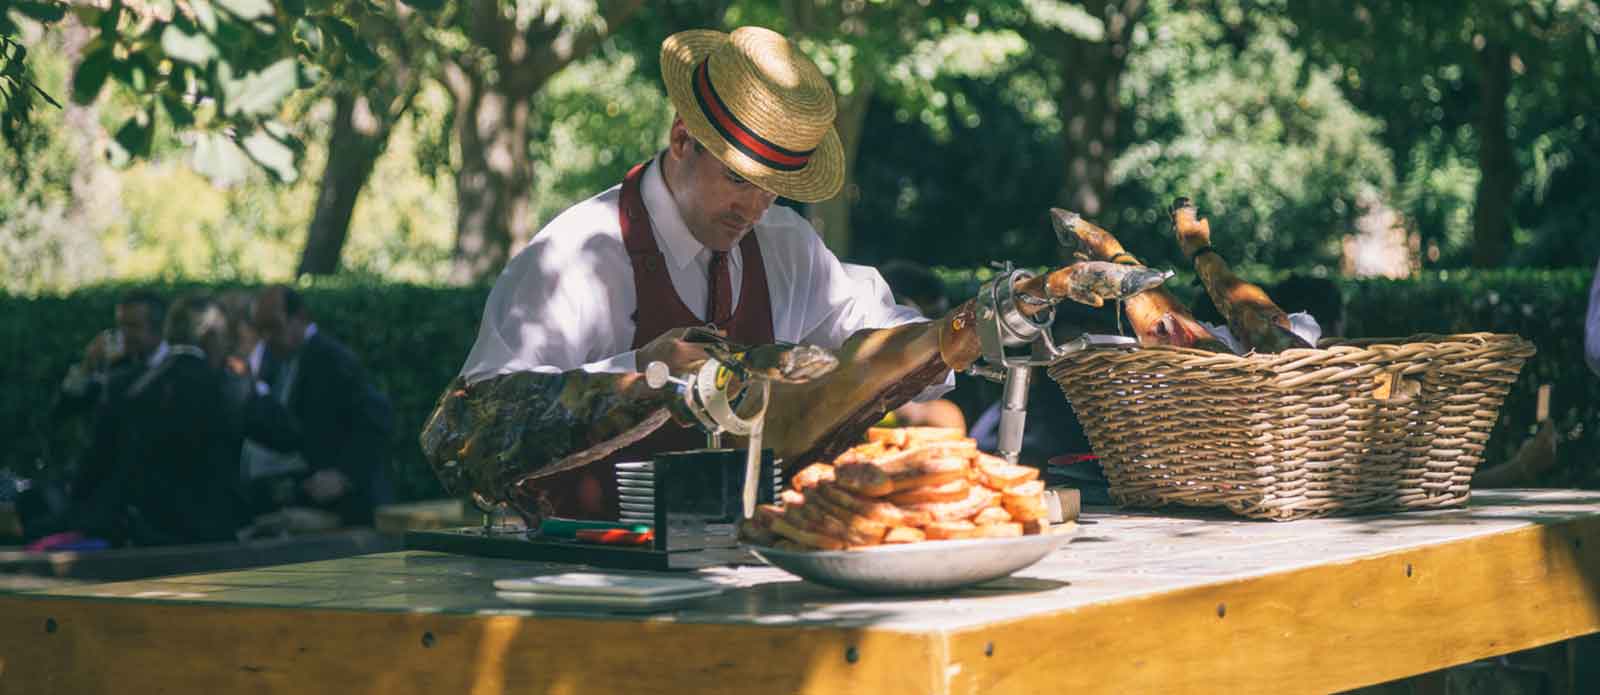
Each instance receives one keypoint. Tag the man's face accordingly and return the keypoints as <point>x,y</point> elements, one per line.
<point>282,333</point>
<point>718,205</point>
<point>141,338</point>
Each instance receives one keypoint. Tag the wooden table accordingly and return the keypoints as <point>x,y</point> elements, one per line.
<point>1139,602</point>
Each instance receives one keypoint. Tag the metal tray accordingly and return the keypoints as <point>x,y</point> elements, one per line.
<point>923,567</point>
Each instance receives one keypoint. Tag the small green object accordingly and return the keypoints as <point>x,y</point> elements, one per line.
<point>568,528</point>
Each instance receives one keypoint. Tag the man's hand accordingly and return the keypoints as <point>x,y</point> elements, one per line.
<point>681,349</point>
<point>97,354</point>
<point>326,485</point>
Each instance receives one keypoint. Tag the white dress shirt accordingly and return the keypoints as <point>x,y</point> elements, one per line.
<point>566,300</point>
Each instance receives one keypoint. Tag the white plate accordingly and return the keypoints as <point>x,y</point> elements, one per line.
<point>605,584</point>
<point>922,567</point>
<point>611,602</point>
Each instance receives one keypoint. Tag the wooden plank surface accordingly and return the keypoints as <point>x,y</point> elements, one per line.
<point>136,563</point>
<point>1314,630</point>
<point>1138,602</point>
<point>98,647</point>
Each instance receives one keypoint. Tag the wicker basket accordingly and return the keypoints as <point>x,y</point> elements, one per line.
<point>1351,427</point>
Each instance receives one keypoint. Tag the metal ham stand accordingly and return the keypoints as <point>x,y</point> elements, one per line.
<point>1013,344</point>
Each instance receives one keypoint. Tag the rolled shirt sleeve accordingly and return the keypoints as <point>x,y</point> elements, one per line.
<point>554,307</point>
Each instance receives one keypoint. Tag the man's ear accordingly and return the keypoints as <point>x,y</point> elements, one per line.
<point>679,141</point>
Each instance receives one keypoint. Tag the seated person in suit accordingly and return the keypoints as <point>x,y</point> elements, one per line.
<point>315,403</point>
<point>169,456</point>
<point>111,361</point>
<point>180,452</point>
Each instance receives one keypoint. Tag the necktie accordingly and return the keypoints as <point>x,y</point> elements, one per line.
<point>720,290</point>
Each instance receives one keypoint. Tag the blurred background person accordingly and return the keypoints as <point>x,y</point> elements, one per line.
<point>314,404</point>
<point>93,390</point>
<point>166,451</point>
<point>179,462</point>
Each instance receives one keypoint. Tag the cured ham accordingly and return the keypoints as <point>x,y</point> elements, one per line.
<point>1253,318</point>
<point>880,370</point>
<point>1157,317</point>
<point>485,438</point>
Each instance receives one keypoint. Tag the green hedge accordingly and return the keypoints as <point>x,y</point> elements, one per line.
<point>413,340</point>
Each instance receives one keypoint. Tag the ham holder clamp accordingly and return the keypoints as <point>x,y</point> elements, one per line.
<point>1014,343</point>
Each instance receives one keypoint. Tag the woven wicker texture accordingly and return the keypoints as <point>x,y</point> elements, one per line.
<point>1350,427</point>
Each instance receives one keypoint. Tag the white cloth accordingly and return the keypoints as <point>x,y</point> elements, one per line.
<point>566,300</point>
<point>1300,323</point>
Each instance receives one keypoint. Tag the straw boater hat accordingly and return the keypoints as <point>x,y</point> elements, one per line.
<point>759,105</point>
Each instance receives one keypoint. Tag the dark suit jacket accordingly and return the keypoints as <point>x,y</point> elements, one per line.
<point>102,404</point>
<point>179,456</point>
<point>336,418</point>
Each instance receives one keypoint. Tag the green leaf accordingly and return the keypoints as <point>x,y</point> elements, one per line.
<point>136,71</point>
<point>132,140</point>
<point>108,21</point>
<point>272,154</point>
<point>161,8</point>
<point>205,15</point>
<point>195,49</point>
<point>177,110</point>
<point>247,9</point>
<point>340,32</point>
<point>309,34</point>
<point>91,74</point>
<point>217,158</point>
<point>425,5</point>
<point>46,12</point>
<point>17,62</point>
<point>259,93</point>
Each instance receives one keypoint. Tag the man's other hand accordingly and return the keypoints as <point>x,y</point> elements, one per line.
<point>681,349</point>
<point>326,485</point>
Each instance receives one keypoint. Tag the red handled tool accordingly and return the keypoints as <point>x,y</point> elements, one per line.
<point>616,536</point>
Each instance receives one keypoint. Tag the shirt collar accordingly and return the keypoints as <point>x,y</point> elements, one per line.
<point>672,234</point>
<point>158,355</point>
<point>258,354</point>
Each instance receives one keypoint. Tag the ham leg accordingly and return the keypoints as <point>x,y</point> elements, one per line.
<point>881,369</point>
<point>1157,317</point>
<point>1255,320</point>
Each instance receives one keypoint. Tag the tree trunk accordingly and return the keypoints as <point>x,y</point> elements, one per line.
<point>1497,181</point>
<point>832,217</point>
<point>357,141</point>
<point>1089,128</point>
<point>1088,106</point>
<point>492,99</point>
<point>495,182</point>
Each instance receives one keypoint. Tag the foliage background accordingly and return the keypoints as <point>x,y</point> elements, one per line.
<point>1296,125</point>
<point>412,339</point>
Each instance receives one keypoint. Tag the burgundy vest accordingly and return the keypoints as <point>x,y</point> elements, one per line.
<point>590,492</point>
